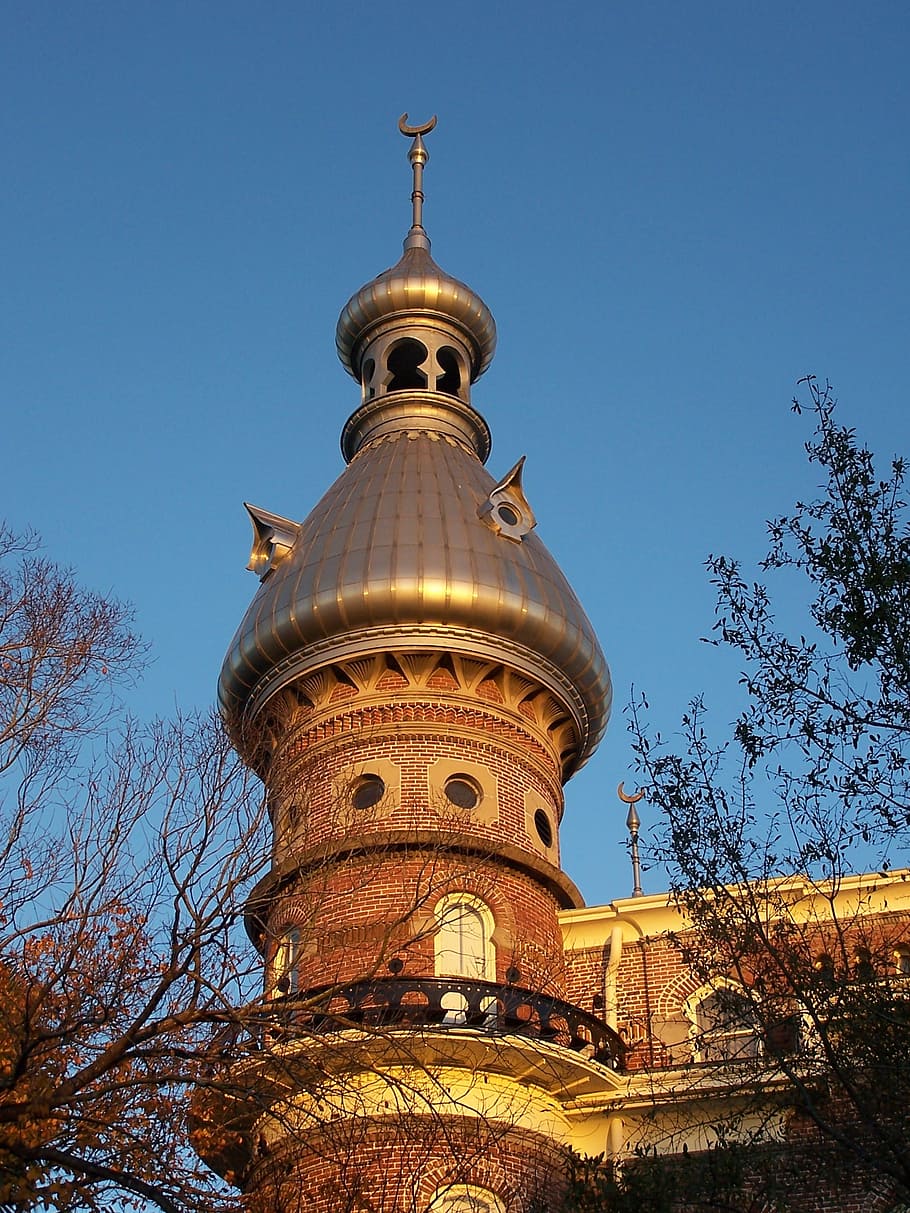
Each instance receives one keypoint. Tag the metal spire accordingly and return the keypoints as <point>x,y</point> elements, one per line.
<point>633,822</point>
<point>418,156</point>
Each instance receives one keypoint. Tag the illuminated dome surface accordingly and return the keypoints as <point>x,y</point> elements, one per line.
<point>396,555</point>
<point>415,286</point>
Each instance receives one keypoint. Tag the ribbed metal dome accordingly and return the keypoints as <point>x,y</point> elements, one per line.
<point>397,555</point>
<point>414,288</point>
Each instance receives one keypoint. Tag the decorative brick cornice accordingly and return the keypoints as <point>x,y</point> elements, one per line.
<point>401,687</point>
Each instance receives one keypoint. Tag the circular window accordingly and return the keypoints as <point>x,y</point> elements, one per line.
<point>367,791</point>
<point>462,791</point>
<point>543,827</point>
<point>507,515</point>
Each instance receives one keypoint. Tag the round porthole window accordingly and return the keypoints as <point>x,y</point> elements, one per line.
<point>507,515</point>
<point>462,791</point>
<point>367,791</point>
<point>543,827</point>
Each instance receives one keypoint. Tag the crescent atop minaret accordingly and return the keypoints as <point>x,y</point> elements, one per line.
<point>423,129</point>
<point>628,799</point>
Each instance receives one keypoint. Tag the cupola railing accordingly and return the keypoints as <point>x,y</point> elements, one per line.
<point>447,1003</point>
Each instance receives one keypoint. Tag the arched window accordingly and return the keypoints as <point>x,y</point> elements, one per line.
<point>902,960</point>
<point>464,943</point>
<point>824,966</point>
<point>724,1024</point>
<point>366,378</point>
<point>863,966</point>
<point>464,949</point>
<point>285,970</point>
<point>465,1198</point>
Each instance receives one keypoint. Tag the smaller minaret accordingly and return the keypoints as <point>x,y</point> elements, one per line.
<point>633,824</point>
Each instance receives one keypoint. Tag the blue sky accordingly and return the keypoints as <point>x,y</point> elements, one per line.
<point>674,212</point>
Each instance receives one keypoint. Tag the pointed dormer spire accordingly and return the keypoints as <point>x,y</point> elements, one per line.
<point>418,156</point>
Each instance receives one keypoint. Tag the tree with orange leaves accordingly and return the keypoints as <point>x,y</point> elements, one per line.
<point>125,855</point>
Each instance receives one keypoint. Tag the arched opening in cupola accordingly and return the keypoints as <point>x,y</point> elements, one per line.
<point>366,379</point>
<point>450,379</point>
<point>403,363</point>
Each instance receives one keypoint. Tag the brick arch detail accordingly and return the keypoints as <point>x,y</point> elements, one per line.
<point>292,915</point>
<point>673,995</point>
<point>482,1173</point>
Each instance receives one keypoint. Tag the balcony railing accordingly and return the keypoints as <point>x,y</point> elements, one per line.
<point>447,1003</point>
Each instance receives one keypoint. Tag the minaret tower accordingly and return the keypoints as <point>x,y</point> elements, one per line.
<point>414,682</point>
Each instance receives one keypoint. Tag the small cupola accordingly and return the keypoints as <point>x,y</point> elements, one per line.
<point>416,333</point>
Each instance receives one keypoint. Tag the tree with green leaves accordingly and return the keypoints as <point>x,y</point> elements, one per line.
<point>762,827</point>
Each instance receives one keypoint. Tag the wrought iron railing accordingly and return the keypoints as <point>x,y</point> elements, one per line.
<point>448,1003</point>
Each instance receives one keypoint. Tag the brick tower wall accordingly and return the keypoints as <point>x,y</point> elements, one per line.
<point>356,915</point>
<point>361,883</point>
<point>399,1165</point>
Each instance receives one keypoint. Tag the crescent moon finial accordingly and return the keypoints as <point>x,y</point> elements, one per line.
<point>412,131</point>
<point>628,799</point>
<point>633,823</point>
<point>418,156</point>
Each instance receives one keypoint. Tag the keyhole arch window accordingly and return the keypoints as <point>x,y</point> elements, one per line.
<point>403,365</point>
<point>463,942</point>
